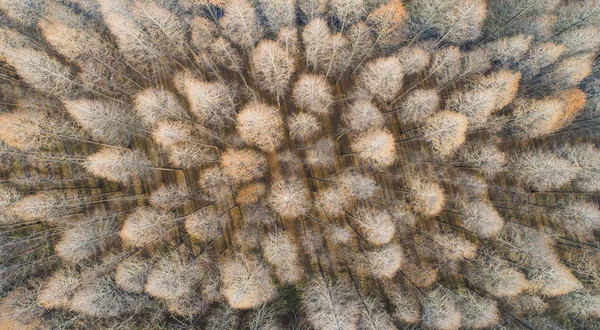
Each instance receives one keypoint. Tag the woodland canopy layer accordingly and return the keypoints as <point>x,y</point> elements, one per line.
<point>309,164</point>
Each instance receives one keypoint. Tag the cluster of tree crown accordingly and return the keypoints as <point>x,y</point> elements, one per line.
<point>299,164</point>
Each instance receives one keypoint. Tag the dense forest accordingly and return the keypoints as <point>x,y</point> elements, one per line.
<point>299,164</point>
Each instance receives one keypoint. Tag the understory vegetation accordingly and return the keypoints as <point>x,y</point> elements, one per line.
<point>299,164</point>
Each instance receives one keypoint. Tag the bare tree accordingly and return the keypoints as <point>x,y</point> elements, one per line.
<point>445,131</point>
<point>482,218</point>
<point>583,305</point>
<point>553,280</point>
<point>246,280</point>
<point>455,248</point>
<point>223,54</point>
<point>509,17</point>
<point>273,67</point>
<point>24,12</point>
<point>189,306</point>
<point>477,104</point>
<point>363,115</point>
<point>398,209</point>
<point>20,308</point>
<point>539,57</point>
<point>440,310</point>
<point>215,185</point>
<point>375,225</point>
<point>381,79</point>
<point>373,315</point>
<point>413,59</point>
<point>362,44</point>
<point>215,51</point>
<point>131,274</point>
<point>405,304</point>
<point>154,105</point>
<point>578,40</point>
<point>205,224</point>
<point>485,96</point>
<point>291,164</point>
<point>331,306</point>
<point>381,263</point>
<point>567,73</point>
<point>11,40</point>
<point>528,246</point>
<point>578,218</point>
<point>203,31</point>
<point>287,39</point>
<point>542,170</point>
<point>426,198</point>
<point>261,125</point>
<point>356,186</point>
<point>316,38</point>
<point>535,117</point>
<point>243,165</point>
<point>171,196</point>
<point>313,93</point>
<point>526,305</point>
<point>312,8</point>
<point>100,297</point>
<point>134,42</point>
<point>166,29</point>
<point>421,275</point>
<point>482,156</point>
<point>223,317</point>
<point>332,201</point>
<point>477,312</point>
<point>43,72</point>
<point>87,238</point>
<point>172,277</point>
<point>375,147</point>
<point>278,14</point>
<point>587,158</point>
<point>189,154</point>
<point>387,21</point>
<point>339,235</point>
<point>8,196</point>
<point>280,251</point>
<point>146,226</point>
<point>509,51</point>
<point>58,289</point>
<point>445,64</point>
<point>240,24</point>
<point>574,101</point>
<point>70,34</point>
<point>303,125</point>
<point>419,105</point>
<point>29,130</point>
<point>338,58</point>
<point>118,165</point>
<point>574,15</point>
<point>251,193</point>
<point>211,102</point>
<point>505,83</point>
<point>51,206</point>
<point>456,21</point>
<point>267,316</point>
<point>322,153</point>
<point>169,133</point>
<point>289,198</point>
<point>546,274</point>
<point>476,61</point>
<point>347,12</point>
<point>105,121</point>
